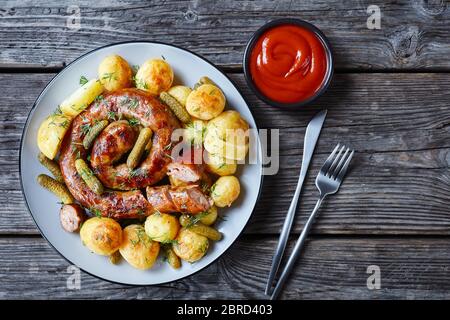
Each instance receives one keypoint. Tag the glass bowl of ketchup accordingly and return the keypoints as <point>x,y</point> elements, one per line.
<point>288,63</point>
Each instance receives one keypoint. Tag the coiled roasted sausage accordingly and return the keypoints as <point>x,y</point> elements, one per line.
<point>138,107</point>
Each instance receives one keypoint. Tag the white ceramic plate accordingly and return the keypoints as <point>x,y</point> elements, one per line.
<point>44,207</point>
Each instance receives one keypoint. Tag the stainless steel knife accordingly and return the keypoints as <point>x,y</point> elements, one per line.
<point>311,137</point>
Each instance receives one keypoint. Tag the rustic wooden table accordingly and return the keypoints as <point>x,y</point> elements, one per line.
<point>389,99</point>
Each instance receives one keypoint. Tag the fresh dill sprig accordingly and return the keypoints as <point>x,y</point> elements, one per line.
<point>83,80</point>
<point>133,122</point>
<point>108,76</point>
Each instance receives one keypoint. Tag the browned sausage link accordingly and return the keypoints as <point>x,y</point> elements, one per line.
<point>126,104</point>
<point>71,217</point>
<point>188,199</point>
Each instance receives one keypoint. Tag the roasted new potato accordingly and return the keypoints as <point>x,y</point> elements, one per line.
<point>154,76</point>
<point>81,98</point>
<point>115,73</point>
<point>225,190</point>
<point>219,165</point>
<point>137,248</point>
<point>101,235</point>
<point>180,93</point>
<point>205,102</point>
<point>194,132</point>
<point>227,136</point>
<point>190,246</point>
<point>51,133</point>
<point>162,227</point>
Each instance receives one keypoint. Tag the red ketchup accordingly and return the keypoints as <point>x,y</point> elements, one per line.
<point>288,64</point>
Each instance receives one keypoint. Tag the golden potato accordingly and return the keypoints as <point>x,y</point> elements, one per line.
<point>194,132</point>
<point>225,191</point>
<point>205,102</point>
<point>234,148</point>
<point>219,165</point>
<point>115,73</point>
<point>226,123</point>
<point>227,136</point>
<point>51,133</point>
<point>180,93</point>
<point>154,76</point>
<point>137,248</point>
<point>190,246</point>
<point>162,227</point>
<point>101,235</point>
<point>81,98</point>
<point>210,216</point>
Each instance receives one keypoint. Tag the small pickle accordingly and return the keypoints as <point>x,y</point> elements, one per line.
<point>115,257</point>
<point>94,131</point>
<point>149,145</point>
<point>185,220</point>
<point>52,166</point>
<point>204,80</point>
<point>176,107</point>
<point>209,217</point>
<point>56,187</point>
<point>173,260</point>
<point>210,233</point>
<point>139,147</point>
<point>88,176</point>
<point>194,225</point>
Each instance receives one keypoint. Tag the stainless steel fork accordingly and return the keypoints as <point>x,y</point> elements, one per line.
<point>328,182</point>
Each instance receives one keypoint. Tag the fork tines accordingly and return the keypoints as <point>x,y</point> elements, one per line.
<point>336,165</point>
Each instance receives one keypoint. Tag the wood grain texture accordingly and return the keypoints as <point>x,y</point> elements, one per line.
<point>331,268</point>
<point>414,34</point>
<point>399,184</point>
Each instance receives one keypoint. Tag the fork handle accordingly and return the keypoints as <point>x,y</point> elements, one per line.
<point>284,235</point>
<point>297,250</point>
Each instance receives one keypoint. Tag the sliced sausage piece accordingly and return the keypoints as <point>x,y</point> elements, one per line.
<point>187,173</point>
<point>186,199</point>
<point>188,169</point>
<point>71,217</point>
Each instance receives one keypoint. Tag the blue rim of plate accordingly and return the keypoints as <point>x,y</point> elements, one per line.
<point>33,109</point>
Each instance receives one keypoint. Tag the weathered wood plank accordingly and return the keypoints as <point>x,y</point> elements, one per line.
<point>330,268</point>
<point>413,33</point>
<point>398,123</point>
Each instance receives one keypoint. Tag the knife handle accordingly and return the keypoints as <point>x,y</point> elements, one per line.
<point>284,236</point>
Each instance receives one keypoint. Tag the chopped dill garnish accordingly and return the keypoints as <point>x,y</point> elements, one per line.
<point>133,121</point>
<point>85,128</point>
<point>139,83</point>
<point>133,104</point>
<point>205,187</point>
<point>109,76</point>
<point>111,115</point>
<point>99,98</point>
<point>96,212</point>
<point>134,173</point>
<point>57,111</point>
<point>195,219</point>
<point>83,80</point>
<point>63,124</point>
<point>174,241</point>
